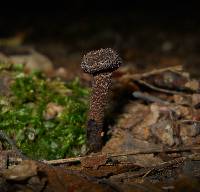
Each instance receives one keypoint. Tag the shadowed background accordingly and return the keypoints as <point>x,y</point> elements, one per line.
<point>147,33</point>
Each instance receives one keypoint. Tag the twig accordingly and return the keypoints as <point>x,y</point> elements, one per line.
<point>188,121</point>
<point>63,161</point>
<point>135,152</point>
<point>158,150</point>
<point>158,89</point>
<point>149,98</point>
<point>147,173</point>
<point>175,69</point>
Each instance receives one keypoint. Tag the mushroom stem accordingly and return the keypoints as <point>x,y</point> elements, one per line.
<point>99,98</point>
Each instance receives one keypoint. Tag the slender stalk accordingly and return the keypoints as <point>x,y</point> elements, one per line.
<point>99,99</point>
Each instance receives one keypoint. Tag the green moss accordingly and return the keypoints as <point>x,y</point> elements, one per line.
<point>45,117</point>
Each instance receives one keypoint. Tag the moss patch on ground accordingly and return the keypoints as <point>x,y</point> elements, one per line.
<point>45,117</point>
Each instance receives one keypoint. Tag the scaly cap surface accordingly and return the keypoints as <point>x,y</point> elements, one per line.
<point>101,60</point>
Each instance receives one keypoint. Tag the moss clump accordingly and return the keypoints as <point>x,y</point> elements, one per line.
<point>45,117</point>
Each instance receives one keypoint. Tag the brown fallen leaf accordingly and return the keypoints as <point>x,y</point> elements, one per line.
<point>94,161</point>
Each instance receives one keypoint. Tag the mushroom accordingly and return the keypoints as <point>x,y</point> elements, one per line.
<point>100,63</point>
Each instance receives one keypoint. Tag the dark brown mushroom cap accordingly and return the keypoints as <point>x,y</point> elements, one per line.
<point>101,60</point>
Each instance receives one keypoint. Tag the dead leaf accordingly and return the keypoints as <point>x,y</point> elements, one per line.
<point>94,161</point>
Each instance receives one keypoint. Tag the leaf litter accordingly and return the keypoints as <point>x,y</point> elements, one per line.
<point>153,144</point>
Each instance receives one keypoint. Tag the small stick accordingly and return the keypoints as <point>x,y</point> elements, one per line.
<point>176,69</point>
<point>63,161</point>
<point>149,98</point>
<point>188,121</point>
<point>157,150</point>
<point>135,152</point>
<point>158,89</point>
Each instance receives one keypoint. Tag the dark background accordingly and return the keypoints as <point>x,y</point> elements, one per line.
<point>139,29</point>
<point>118,15</point>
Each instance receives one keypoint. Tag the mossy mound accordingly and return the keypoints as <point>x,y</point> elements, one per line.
<point>45,117</point>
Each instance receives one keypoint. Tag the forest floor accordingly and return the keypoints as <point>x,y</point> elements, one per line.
<point>152,124</point>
